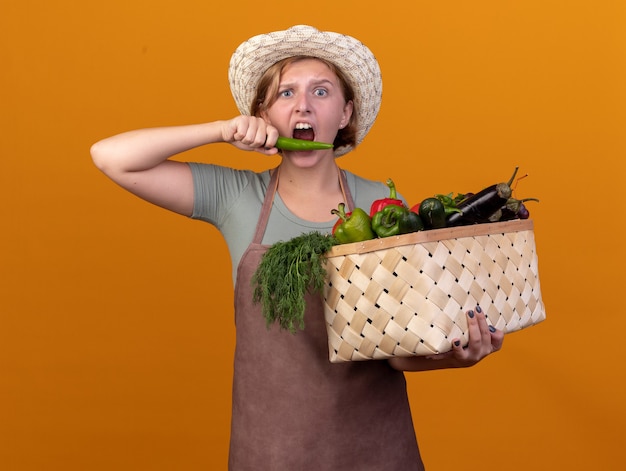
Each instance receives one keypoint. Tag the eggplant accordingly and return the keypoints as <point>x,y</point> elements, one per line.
<point>479,207</point>
<point>513,209</point>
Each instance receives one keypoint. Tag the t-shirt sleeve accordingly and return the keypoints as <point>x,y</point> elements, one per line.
<point>216,188</point>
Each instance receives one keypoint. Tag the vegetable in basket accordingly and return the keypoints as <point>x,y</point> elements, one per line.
<point>450,203</point>
<point>396,220</point>
<point>513,209</point>
<point>392,199</point>
<point>433,213</point>
<point>355,226</point>
<point>287,271</point>
<point>479,207</point>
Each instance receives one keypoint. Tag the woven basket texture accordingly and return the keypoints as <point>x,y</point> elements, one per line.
<point>408,295</point>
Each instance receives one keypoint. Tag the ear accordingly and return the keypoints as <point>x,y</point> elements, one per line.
<point>347,114</point>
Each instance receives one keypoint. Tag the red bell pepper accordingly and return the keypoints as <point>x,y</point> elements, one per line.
<point>392,199</point>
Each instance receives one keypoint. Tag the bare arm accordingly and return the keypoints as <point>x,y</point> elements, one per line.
<point>139,160</point>
<point>483,340</point>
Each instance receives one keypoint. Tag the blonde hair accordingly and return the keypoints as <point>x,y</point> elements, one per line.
<point>267,94</point>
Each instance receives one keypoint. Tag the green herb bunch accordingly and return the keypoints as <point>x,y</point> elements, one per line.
<point>288,270</point>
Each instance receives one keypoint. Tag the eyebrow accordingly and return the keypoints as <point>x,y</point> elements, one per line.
<point>313,82</point>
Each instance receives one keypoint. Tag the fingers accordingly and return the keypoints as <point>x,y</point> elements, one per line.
<point>479,335</point>
<point>484,339</point>
<point>497,339</point>
<point>251,133</point>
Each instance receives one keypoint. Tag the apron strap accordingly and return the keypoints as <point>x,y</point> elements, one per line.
<point>267,206</point>
<point>345,191</point>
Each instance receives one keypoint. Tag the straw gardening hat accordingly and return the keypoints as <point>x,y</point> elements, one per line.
<point>253,57</point>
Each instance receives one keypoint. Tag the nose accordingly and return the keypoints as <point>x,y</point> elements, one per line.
<point>302,105</point>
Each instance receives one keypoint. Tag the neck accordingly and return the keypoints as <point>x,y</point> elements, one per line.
<point>311,193</point>
<point>322,178</point>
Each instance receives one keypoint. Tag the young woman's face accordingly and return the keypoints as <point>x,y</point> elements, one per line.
<point>310,103</point>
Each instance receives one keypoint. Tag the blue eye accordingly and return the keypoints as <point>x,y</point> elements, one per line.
<point>321,92</point>
<point>286,93</point>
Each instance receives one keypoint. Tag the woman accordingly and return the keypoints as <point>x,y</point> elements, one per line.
<point>292,408</point>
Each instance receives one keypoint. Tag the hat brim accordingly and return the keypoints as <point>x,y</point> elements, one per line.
<point>254,56</point>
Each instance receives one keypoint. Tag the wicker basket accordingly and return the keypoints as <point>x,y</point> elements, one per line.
<point>408,295</point>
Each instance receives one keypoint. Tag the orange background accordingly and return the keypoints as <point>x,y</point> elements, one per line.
<point>116,323</point>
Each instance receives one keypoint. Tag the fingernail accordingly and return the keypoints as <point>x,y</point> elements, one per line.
<point>478,309</point>
<point>492,328</point>
<point>471,314</point>
<point>457,343</point>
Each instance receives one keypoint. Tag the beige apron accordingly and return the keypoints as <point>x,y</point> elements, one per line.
<point>293,410</point>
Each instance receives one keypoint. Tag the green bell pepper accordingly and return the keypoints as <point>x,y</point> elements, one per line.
<point>355,226</point>
<point>396,220</point>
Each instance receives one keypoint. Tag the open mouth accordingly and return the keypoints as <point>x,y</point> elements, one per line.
<point>304,131</point>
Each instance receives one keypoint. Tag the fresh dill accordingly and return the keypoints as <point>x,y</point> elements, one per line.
<point>287,271</point>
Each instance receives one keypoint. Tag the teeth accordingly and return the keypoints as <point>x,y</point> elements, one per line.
<point>303,126</point>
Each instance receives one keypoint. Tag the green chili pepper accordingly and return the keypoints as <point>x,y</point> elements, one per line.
<point>396,220</point>
<point>288,143</point>
<point>355,226</point>
<point>449,203</point>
